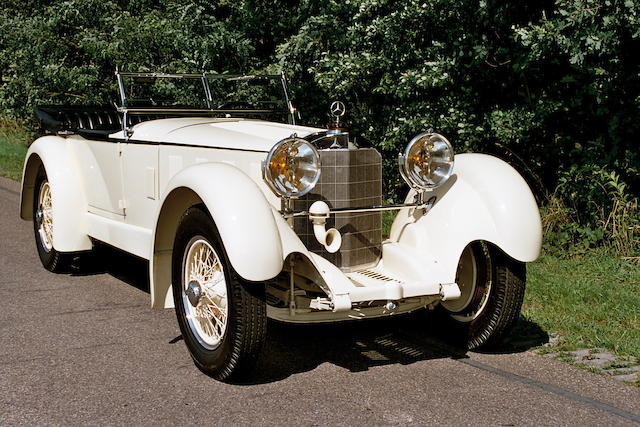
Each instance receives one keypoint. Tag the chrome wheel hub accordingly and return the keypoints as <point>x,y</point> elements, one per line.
<point>39,216</point>
<point>194,293</point>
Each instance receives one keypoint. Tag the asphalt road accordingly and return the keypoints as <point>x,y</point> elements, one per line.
<point>88,349</point>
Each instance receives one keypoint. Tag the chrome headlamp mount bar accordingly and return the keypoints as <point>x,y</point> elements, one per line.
<point>420,203</point>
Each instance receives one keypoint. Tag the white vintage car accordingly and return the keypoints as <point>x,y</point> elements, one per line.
<point>245,215</point>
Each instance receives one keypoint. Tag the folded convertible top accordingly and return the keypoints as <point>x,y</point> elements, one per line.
<point>90,120</point>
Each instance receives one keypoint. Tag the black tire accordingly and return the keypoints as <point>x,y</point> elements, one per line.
<point>246,326</point>
<point>488,310</point>
<point>51,259</point>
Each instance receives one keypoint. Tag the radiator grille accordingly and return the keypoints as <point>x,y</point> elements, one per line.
<point>350,178</point>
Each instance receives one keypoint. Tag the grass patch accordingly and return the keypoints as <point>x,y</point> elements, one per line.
<point>591,301</point>
<point>14,141</point>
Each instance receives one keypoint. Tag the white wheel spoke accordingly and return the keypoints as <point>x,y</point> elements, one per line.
<point>220,314</point>
<point>204,318</point>
<point>209,321</point>
<point>212,269</point>
<point>210,285</point>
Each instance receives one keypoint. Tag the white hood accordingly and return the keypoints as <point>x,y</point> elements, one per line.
<point>255,135</point>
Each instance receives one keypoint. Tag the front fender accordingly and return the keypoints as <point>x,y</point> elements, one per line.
<point>241,213</point>
<point>485,199</point>
<point>57,156</point>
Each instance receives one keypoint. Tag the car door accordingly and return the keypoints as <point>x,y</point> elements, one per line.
<point>140,173</point>
<point>101,165</point>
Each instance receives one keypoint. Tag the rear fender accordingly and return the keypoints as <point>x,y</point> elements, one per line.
<point>58,158</point>
<point>241,213</point>
<point>485,199</point>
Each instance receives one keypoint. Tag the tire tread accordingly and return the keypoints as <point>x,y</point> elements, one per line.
<point>502,311</point>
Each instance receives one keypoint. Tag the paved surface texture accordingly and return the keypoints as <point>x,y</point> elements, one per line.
<point>79,349</point>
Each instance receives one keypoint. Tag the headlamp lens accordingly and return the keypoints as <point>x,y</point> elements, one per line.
<point>427,162</point>
<point>292,167</point>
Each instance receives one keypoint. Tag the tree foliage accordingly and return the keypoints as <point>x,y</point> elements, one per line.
<point>67,51</point>
<point>552,86</point>
<point>545,85</point>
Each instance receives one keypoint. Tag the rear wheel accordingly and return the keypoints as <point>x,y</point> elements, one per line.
<point>222,319</point>
<point>492,289</point>
<point>43,227</point>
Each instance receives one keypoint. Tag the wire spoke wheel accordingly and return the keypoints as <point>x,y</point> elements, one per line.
<point>44,216</point>
<point>223,320</point>
<point>42,205</point>
<point>204,293</point>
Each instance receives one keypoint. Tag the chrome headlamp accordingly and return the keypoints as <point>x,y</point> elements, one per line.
<point>427,162</point>
<point>292,167</point>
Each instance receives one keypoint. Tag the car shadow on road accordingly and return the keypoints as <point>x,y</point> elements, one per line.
<point>123,266</point>
<point>353,345</point>
<point>361,345</point>
<point>525,335</point>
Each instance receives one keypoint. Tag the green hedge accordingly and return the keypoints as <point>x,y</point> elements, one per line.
<point>553,87</point>
<point>67,51</point>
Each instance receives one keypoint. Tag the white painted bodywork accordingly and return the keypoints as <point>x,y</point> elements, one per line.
<point>130,193</point>
<point>58,157</point>
<point>485,199</point>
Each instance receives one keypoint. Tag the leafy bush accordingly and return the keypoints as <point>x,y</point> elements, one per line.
<point>532,80</point>
<point>592,207</point>
<point>67,51</point>
<point>551,86</point>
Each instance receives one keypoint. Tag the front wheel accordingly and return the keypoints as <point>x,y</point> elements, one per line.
<point>222,319</point>
<point>492,290</point>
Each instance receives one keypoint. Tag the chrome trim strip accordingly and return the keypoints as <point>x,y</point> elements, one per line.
<point>151,110</point>
<point>419,205</point>
<point>176,144</point>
